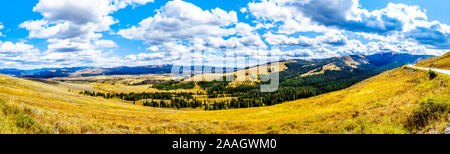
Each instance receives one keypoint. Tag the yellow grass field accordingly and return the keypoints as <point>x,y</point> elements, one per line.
<point>248,74</point>
<point>381,104</point>
<point>119,88</point>
<point>442,62</point>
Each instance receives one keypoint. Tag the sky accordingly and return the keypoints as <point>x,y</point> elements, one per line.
<point>109,33</point>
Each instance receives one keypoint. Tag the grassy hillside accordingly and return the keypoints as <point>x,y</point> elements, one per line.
<point>403,100</point>
<point>442,62</point>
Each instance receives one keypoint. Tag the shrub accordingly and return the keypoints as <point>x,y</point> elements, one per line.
<point>9,110</point>
<point>24,121</point>
<point>432,74</point>
<point>428,112</point>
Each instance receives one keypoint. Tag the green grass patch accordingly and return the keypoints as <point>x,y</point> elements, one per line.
<point>24,121</point>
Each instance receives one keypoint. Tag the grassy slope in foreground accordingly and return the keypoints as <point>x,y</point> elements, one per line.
<point>442,62</point>
<point>380,104</point>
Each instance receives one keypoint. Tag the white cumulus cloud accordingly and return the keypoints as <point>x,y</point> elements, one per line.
<point>73,29</point>
<point>179,20</point>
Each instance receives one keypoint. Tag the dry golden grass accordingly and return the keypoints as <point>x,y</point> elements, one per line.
<point>243,74</point>
<point>442,62</point>
<point>118,83</point>
<point>328,67</point>
<point>105,77</point>
<point>349,61</point>
<point>119,88</point>
<point>117,79</point>
<point>378,105</point>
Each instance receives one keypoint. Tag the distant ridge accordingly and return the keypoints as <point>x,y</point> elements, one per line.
<point>379,61</point>
<point>92,71</point>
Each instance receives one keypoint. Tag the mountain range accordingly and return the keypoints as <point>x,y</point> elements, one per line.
<point>93,71</point>
<point>375,62</point>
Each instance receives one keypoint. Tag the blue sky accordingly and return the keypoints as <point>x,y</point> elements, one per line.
<point>110,33</point>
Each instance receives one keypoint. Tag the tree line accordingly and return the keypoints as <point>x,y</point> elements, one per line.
<point>175,103</point>
<point>139,96</point>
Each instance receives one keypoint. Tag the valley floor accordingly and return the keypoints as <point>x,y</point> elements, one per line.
<point>386,103</point>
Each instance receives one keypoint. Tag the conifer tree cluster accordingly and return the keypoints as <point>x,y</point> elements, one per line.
<point>139,96</point>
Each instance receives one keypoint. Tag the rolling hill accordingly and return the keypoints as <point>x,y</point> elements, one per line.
<point>442,62</point>
<point>403,100</point>
<point>297,79</point>
<point>375,63</point>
